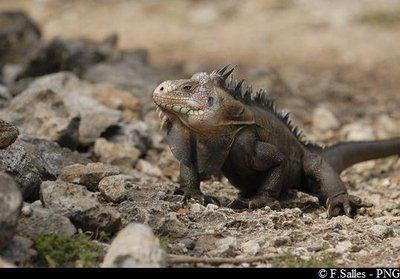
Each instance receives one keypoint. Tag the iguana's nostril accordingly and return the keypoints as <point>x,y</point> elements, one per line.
<point>161,88</point>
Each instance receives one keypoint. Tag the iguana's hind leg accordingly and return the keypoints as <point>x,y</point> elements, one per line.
<point>325,182</point>
<point>266,158</point>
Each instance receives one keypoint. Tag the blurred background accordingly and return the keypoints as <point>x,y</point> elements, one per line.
<point>204,34</point>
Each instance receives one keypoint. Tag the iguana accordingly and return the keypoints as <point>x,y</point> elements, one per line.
<point>215,125</point>
<point>8,134</point>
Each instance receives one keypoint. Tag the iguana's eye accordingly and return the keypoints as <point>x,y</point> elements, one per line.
<point>187,87</point>
<point>210,101</point>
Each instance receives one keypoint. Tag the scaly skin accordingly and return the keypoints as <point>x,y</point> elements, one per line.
<point>213,126</point>
<point>8,134</point>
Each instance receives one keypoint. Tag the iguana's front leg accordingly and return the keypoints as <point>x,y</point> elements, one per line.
<point>183,146</point>
<point>190,185</point>
<point>326,183</point>
<point>266,158</point>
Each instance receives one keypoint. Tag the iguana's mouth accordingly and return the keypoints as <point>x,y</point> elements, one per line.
<point>189,107</point>
<point>183,110</point>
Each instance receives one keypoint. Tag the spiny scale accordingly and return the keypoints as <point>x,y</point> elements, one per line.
<point>260,99</point>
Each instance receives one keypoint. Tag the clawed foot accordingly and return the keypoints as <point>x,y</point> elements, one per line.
<point>344,202</point>
<point>254,203</point>
<point>197,195</point>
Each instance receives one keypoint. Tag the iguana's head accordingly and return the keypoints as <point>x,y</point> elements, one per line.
<point>202,102</point>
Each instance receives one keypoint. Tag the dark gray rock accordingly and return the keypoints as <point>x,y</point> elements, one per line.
<point>68,55</point>
<point>19,37</point>
<point>32,160</point>
<point>135,246</point>
<point>20,250</point>
<point>10,206</point>
<point>80,206</point>
<point>36,220</point>
<point>50,155</point>
<point>18,163</point>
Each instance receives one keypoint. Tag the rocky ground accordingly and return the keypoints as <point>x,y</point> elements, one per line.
<point>90,180</point>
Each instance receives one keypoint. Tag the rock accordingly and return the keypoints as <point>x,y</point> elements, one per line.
<point>386,126</point>
<point>298,199</point>
<point>68,55</point>
<point>196,207</point>
<point>10,206</point>
<point>42,221</point>
<point>19,37</point>
<point>37,203</point>
<point>250,247</point>
<point>172,227</point>
<point>188,243</point>
<point>18,163</point>
<point>137,135</point>
<point>146,167</point>
<point>205,243</point>
<point>118,99</point>
<point>26,210</point>
<point>8,134</point>
<point>280,241</point>
<point>20,251</point>
<point>31,160</point>
<point>115,153</point>
<point>225,247</point>
<point>5,264</point>
<point>388,220</point>
<point>382,231</point>
<point>135,246</point>
<point>212,207</point>
<point>76,95</point>
<point>324,120</point>
<point>5,93</point>
<point>343,246</point>
<point>169,165</point>
<point>357,131</point>
<point>43,113</point>
<point>129,71</point>
<point>88,175</point>
<point>395,242</point>
<point>80,206</point>
<point>113,187</point>
<point>10,73</point>
<point>48,156</point>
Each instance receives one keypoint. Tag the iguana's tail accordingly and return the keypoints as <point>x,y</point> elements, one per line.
<point>346,154</point>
